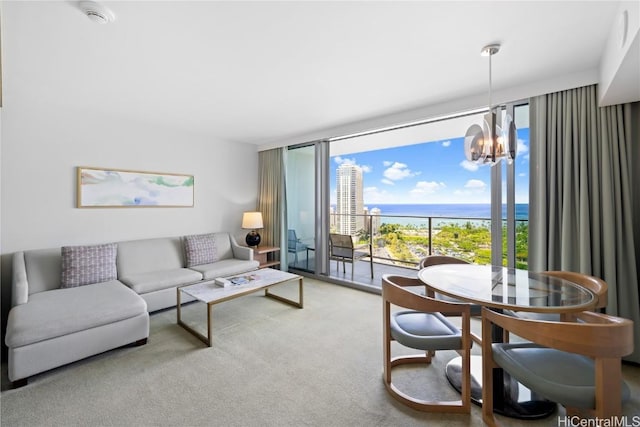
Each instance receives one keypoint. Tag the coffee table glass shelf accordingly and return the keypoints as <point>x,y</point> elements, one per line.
<point>211,293</point>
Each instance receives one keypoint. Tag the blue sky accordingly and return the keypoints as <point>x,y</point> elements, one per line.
<point>430,173</point>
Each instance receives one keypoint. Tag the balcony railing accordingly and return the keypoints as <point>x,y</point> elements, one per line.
<point>404,240</point>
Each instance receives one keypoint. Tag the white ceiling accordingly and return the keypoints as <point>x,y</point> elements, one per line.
<point>267,72</point>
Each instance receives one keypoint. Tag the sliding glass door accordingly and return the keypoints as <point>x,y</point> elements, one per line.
<point>301,208</point>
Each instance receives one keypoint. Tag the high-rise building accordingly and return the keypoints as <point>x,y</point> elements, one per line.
<point>375,221</point>
<point>365,212</point>
<point>332,219</point>
<point>350,200</point>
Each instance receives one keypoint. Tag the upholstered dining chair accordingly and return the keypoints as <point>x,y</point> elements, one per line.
<point>446,259</point>
<point>440,259</point>
<point>422,326</point>
<point>341,248</point>
<point>577,364</point>
<point>596,285</point>
<point>294,245</point>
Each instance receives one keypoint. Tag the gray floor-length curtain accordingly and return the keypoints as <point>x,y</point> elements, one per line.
<point>271,199</point>
<point>581,195</point>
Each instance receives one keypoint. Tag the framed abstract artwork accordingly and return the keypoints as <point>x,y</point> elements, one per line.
<point>113,188</point>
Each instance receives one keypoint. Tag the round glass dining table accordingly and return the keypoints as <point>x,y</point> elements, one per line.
<point>501,288</point>
<point>508,288</point>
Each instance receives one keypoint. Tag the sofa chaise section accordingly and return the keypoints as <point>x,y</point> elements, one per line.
<point>49,327</point>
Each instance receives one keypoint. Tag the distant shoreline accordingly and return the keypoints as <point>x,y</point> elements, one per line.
<point>443,210</point>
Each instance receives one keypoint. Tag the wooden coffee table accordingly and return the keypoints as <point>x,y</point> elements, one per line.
<point>210,293</point>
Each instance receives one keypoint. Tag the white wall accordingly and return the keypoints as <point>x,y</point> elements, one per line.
<point>42,147</point>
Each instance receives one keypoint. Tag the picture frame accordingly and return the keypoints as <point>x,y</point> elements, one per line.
<point>123,188</point>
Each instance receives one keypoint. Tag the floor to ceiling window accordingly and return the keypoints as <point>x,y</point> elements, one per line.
<point>408,192</point>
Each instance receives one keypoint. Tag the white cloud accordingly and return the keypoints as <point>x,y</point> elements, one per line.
<point>523,151</point>
<point>475,184</point>
<point>397,171</point>
<point>522,174</point>
<point>387,163</point>
<point>446,143</point>
<point>473,192</point>
<point>345,161</point>
<point>387,181</point>
<point>522,148</point>
<point>425,187</point>
<point>470,166</point>
<point>374,195</point>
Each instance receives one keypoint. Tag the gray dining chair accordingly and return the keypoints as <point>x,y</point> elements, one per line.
<point>447,259</point>
<point>577,364</point>
<point>421,325</point>
<point>595,284</point>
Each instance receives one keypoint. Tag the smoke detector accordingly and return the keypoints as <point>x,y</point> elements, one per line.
<point>97,12</point>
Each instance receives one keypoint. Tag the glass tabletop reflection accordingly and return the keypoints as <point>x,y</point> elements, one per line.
<point>507,288</point>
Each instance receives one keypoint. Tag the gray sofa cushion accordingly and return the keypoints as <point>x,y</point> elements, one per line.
<point>143,256</point>
<point>223,245</point>
<point>43,268</point>
<point>200,249</point>
<point>64,311</point>
<point>226,267</point>
<point>84,265</point>
<point>159,280</point>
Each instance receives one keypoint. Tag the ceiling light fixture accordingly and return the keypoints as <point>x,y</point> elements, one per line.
<point>488,142</point>
<point>97,12</point>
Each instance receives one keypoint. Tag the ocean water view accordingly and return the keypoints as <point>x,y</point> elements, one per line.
<point>482,211</point>
<point>416,214</point>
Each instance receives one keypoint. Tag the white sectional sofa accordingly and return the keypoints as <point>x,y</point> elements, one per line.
<point>50,325</point>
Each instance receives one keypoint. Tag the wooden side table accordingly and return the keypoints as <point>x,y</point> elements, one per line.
<point>266,256</point>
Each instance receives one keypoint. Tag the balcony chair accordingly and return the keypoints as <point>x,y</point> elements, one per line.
<point>446,259</point>
<point>294,245</point>
<point>577,364</point>
<point>423,327</point>
<point>341,249</point>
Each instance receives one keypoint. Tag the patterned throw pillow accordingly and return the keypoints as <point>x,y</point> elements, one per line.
<point>200,249</point>
<point>84,265</point>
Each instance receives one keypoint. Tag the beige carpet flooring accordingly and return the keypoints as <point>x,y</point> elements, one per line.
<point>271,365</point>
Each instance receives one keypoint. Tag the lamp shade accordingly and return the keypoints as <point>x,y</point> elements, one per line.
<point>252,220</point>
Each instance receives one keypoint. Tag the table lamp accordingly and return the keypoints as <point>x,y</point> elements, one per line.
<point>252,221</point>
